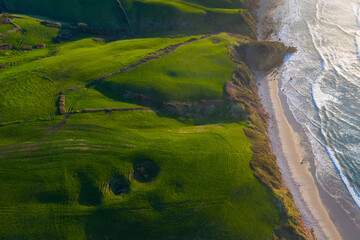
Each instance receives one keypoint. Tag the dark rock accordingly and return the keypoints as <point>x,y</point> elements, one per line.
<point>64,37</point>
<point>62,108</point>
<point>291,50</point>
<point>51,24</point>
<point>99,40</point>
<point>26,48</point>
<point>40,45</point>
<point>262,56</point>
<point>82,25</point>
<point>5,46</point>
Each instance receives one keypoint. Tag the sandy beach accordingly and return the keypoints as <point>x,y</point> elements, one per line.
<point>320,211</point>
<point>294,152</point>
<point>291,158</point>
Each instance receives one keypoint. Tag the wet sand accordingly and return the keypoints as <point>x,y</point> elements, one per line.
<point>291,157</point>
<point>294,152</point>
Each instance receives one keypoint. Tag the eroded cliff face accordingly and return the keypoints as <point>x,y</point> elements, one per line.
<point>264,56</point>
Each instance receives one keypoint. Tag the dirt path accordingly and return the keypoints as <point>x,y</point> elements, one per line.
<point>16,28</point>
<point>155,55</point>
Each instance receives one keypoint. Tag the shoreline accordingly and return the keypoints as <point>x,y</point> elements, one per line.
<point>294,156</point>
<point>294,152</point>
<point>290,158</point>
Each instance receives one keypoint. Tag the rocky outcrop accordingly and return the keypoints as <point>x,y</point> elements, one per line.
<point>5,46</point>
<point>62,108</point>
<point>262,56</point>
<point>40,45</point>
<point>51,24</point>
<point>26,48</point>
<point>202,111</point>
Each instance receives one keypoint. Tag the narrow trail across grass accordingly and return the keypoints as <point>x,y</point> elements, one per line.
<point>152,56</point>
<point>15,29</point>
<point>155,55</point>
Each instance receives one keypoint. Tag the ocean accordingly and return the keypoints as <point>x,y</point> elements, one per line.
<point>322,84</point>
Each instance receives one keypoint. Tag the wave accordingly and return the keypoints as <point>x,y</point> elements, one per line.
<point>354,194</point>
<point>325,100</point>
<point>357,42</point>
<point>357,14</point>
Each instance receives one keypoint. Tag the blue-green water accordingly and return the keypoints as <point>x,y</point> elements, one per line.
<point>322,85</point>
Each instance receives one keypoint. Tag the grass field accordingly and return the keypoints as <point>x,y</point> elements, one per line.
<point>134,174</point>
<point>6,27</point>
<point>29,90</point>
<point>92,99</point>
<point>195,72</point>
<point>31,33</point>
<point>62,181</point>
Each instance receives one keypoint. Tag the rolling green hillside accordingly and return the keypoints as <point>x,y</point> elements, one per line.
<point>142,16</point>
<point>142,122</point>
<point>63,176</point>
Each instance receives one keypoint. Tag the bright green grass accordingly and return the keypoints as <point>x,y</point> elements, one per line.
<point>56,185</point>
<point>219,3</point>
<point>90,98</point>
<point>31,33</point>
<point>194,72</point>
<point>29,91</point>
<point>5,28</point>
<point>15,57</point>
<point>206,189</point>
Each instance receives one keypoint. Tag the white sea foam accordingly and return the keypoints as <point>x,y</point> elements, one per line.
<point>354,194</point>
<point>323,92</point>
<point>357,14</point>
<point>357,41</point>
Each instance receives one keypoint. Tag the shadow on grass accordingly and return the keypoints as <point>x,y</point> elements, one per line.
<point>90,194</point>
<point>191,112</point>
<point>145,169</point>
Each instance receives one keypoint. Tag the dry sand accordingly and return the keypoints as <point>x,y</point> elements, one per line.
<point>294,151</point>
<point>297,168</point>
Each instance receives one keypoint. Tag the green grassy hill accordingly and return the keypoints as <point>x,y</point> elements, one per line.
<point>142,16</point>
<point>138,138</point>
<point>63,177</point>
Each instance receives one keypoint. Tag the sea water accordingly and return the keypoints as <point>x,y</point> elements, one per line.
<point>322,84</point>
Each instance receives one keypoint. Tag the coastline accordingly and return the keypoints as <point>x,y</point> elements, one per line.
<point>290,157</point>
<point>295,158</point>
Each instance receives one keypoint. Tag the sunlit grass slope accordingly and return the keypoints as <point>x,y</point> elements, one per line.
<point>5,27</point>
<point>31,33</point>
<point>134,174</point>
<point>195,72</point>
<point>28,91</point>
<point>91,99</point>
<point>58,187</point>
